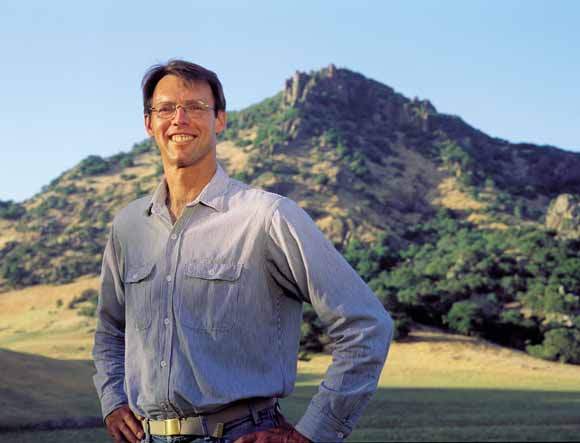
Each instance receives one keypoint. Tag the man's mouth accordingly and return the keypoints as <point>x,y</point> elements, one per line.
<point>180,138</point>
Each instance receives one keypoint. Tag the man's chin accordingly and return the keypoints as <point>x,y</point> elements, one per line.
<point>186,162</point>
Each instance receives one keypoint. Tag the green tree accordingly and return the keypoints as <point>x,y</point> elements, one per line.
<point>561,344</point>
<point>466,317</point>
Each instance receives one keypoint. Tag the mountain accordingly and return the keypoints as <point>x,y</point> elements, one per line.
<point>443,221</point>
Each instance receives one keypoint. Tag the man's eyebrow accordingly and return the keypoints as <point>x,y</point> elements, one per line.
<point>168,100</point>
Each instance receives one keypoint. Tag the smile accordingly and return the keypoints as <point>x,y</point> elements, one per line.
<point>181,138</point>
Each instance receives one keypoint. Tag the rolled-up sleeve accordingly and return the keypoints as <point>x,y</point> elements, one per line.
<point>308,266</point>
<point>109,347</point>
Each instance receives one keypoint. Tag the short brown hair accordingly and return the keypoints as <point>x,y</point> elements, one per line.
<point>187,71</point>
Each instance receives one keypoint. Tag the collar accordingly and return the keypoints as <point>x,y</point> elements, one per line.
<point>212,195</point>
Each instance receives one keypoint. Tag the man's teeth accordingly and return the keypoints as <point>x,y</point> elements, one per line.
<point>182,138</point>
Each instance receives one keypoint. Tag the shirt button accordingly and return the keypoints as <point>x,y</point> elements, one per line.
<point>168,278</point>
<point>163,363</point>
<point>166,321</point>
<point>173,236</point>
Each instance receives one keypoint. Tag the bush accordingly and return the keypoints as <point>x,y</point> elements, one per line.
<point>402,327</point>
<point>561,344</point>
<point>11,210</point>
<point>312,332</point>
<point>358,165</point>
<point>94,165</point>
<point>465,317</point>
<point>126,162</point>
<point>88,295</point>
<point>321,179</point>
<point>241,176</point>
<point>147,145</point>
<point>88,311</point>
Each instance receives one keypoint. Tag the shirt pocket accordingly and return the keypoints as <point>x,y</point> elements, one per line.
<point>138,289</point>
<point>210,296</point>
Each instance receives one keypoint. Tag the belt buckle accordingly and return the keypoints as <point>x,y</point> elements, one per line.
<point>172,426</point>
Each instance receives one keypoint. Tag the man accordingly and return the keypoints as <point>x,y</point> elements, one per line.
<point>202,291</point>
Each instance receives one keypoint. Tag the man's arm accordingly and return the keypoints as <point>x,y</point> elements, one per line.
<point>109,349</point>
<point>308,266</point>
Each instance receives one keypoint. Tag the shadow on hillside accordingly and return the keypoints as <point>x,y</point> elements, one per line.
<point>436,338</point>
<point>36,389</point>
<point>457,414</point>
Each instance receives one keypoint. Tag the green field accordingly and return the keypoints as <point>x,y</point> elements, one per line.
<point>425,415</point>
<point>539,403</point>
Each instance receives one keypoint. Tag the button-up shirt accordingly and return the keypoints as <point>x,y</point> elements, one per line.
<point>198,314</point>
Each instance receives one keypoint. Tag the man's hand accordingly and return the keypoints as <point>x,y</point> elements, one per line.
<point>274,435</point>
<point>123,426</point>
<point>284,433</point>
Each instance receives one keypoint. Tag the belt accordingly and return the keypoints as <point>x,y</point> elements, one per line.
<point>207,424</point>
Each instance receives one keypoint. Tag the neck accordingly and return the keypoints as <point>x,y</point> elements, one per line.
<point>185,184</point>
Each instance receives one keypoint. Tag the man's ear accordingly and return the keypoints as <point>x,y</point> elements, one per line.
<point>221,120</point>
<point>147,121</point>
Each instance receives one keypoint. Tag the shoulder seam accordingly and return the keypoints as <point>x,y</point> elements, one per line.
<point>273,209</point>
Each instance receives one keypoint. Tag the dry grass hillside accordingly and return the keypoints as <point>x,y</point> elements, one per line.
<point>37,320</point>
<point>362,159</point>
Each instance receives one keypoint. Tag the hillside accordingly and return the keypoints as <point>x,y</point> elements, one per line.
<point>446,223</point>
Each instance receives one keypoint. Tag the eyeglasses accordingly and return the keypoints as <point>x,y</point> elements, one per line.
<point>167,110</point>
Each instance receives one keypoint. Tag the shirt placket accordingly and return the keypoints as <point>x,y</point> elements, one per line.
<point>172,254</point>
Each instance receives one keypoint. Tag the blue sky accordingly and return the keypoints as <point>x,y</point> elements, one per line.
<point>71,70</point>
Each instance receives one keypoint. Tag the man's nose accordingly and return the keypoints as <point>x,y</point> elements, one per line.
<point>180,115</point>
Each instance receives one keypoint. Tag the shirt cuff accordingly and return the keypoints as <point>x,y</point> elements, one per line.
<point>320,427</point>
<point>112,401</point>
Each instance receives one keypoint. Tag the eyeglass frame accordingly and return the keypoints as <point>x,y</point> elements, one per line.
<point>204,107</point>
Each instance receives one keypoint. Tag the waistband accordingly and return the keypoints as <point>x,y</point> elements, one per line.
<point>208,424</point>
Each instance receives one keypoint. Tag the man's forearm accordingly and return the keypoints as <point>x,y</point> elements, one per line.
<point>349,383</point>
<point>108,355</point>
<point>109,346</point>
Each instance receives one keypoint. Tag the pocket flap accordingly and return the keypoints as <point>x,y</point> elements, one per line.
<point>214,271</point>
<point>137,273</point>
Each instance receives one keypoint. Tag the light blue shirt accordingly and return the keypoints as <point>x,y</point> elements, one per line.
<point>199,314</point>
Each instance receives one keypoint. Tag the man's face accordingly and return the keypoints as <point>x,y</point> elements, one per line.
<point>187,138</point>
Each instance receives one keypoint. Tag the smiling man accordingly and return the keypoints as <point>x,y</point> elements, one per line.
<point>202,290</point>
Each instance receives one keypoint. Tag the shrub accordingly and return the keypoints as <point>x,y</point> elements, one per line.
<point>94,165</point>
<point>465,317</point>
<point>241,176</point>
<point>402,327</point>
<point>358,165</point>
<point>88,295</point>
<point>88,311</point>
<point>147,145</point>
<point>562,344</point>
<point>126,162</point>
<point>68,190</point>
<point>11,210</point>
<point>321,179</point>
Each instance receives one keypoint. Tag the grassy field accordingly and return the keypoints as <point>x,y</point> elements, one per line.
<point>436,386</point>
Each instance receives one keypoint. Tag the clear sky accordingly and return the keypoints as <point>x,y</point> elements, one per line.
<point>71,70</point>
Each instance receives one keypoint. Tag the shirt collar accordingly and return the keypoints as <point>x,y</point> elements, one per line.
<point>212,195</point>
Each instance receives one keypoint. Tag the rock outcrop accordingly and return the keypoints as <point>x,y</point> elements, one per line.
<point>564,215</point>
